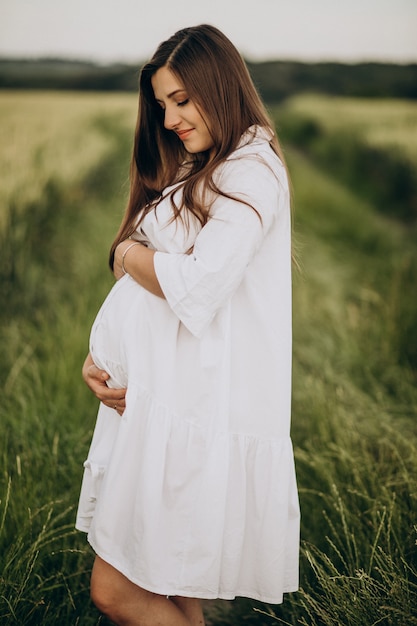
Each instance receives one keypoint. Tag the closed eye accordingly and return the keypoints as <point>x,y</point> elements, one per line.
<point>179,104</point>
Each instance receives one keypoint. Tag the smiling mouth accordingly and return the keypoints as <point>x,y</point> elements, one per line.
<point>183,134</point>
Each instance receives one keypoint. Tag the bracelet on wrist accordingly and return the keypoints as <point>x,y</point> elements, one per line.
<point>135,243</point>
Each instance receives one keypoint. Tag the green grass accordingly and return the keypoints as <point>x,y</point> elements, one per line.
<point>56,136</point>
<point>354,401</point>
<point>54,278</point>
<point>339,134</point>
<point>385,123</point>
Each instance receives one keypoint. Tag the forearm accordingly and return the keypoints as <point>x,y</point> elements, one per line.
<point>137,261</point>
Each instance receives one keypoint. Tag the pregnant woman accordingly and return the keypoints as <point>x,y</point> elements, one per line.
<point>189,487</point>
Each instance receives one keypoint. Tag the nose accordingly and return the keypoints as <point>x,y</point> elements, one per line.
<point>171,118</point>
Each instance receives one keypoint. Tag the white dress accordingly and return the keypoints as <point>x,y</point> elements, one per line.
<point>192,492</point>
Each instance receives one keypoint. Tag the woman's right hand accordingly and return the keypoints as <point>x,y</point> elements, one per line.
<point>96,380</point>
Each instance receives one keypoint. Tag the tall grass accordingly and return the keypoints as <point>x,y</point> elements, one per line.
<point>354,404</point>
<point>382,123</point>
<point>354,400</point>
<point>333,132</point>
<point>53,278</point>
<point>48,136</point>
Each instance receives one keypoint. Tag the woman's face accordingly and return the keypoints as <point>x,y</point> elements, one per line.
<point>180,113</point>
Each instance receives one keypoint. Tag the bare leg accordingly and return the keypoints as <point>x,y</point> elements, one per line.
<point>191,607</point>
<point>127,604</point>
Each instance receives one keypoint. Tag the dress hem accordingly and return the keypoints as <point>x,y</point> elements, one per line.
<point>198,594</point>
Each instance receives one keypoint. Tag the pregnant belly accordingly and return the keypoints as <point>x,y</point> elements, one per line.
<point>116,328</point>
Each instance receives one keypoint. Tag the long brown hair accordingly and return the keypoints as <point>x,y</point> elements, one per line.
<point>217,80</point>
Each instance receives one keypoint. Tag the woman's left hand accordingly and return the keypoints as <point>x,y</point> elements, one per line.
<point>96,379</point>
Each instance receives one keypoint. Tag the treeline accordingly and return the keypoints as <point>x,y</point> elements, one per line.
<point>276,80</point>
<point>65,74</point>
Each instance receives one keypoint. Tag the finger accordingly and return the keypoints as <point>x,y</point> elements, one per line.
<point>97,373</point>
<point>111,396</point>
<point>119,408</point>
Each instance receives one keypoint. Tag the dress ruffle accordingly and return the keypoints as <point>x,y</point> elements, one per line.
<point>190,512</point>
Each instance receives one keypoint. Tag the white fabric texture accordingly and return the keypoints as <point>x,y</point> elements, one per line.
<point>192,492</point>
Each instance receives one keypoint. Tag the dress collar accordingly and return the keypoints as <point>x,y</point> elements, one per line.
<point>255,134</point>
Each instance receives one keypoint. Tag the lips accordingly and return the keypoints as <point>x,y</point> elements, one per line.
<point>183,134</point>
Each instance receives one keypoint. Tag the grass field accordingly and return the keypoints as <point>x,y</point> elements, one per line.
<point>368,145</point>
<point>382,123</point>
<point>47,136</point>
<point>355,373</point>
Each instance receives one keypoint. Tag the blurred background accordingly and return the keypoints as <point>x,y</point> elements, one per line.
<point>129,30</point>
<point>340,82</point>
